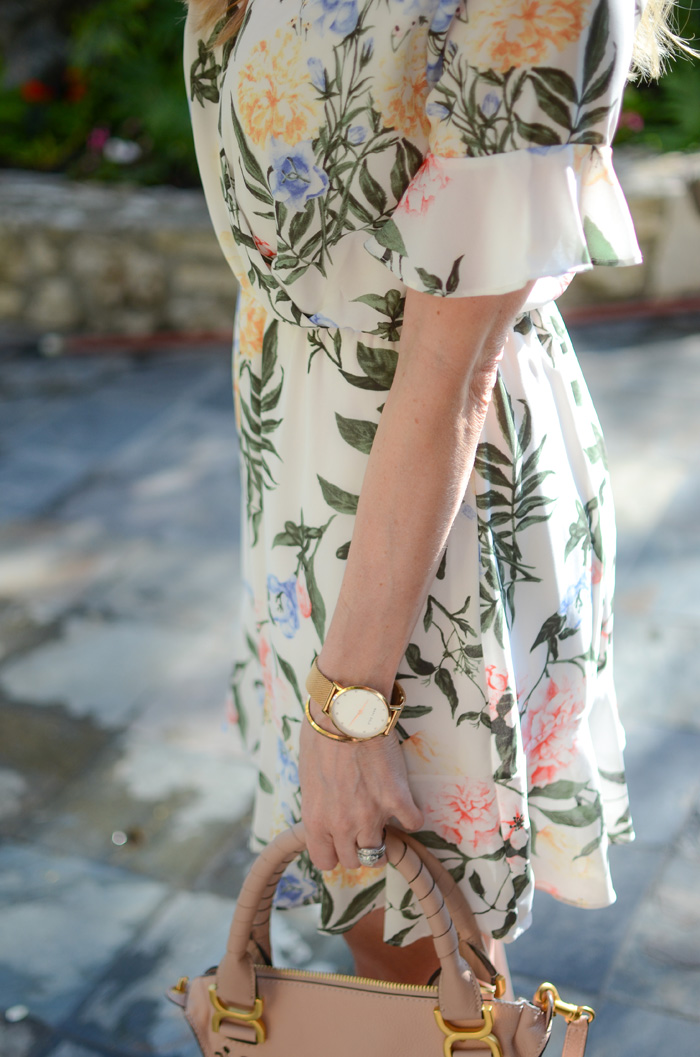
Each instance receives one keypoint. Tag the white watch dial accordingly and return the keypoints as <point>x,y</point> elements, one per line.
<point>360,713</point>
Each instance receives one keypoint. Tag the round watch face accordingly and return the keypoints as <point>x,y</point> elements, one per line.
<point>359,712</point>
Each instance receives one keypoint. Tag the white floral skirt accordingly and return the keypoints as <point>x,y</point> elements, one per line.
<point>510,734</point>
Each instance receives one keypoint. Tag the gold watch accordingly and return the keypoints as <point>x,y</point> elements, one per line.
<point>358,712</point>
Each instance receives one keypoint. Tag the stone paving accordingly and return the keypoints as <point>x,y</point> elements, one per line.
<point>124,797</point>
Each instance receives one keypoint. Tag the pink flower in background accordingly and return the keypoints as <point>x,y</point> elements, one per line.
<point>303,596</point>
<point>466,812</point>
<point>97,137</point>
<point>632,120</point>
<point>549,730</point>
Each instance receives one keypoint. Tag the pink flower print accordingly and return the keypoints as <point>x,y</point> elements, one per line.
<point>466,813</point>
<point>266,663</point>
<point>263,248</point>
<point>515,831</point>
<point>497,683</point>
<point>596,571</point>
<point>303,599</point>
<point>421,191</point>
<point>549,730</point>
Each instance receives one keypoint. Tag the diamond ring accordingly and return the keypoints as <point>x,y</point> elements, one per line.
<point>370,856</point>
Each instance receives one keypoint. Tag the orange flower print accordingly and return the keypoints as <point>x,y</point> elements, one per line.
<point>252,326</point>
<point>549,730</point>
<point>347,878</point>
<point>401,87</point>
<point>467,813</point>
<point>420,193</point>
<point>524,33</point>
<point>276,96</point>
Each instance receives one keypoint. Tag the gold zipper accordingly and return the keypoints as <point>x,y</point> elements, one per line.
<point>427,989</point>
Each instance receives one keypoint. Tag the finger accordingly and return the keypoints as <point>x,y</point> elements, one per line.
<point>408,815</point>
<point>371,838</point>
<point>321,849</point>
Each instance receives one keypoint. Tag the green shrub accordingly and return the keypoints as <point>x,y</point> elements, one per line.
<point>123,81</point>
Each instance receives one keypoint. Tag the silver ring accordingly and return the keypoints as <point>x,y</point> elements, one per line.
<point>370,856</point>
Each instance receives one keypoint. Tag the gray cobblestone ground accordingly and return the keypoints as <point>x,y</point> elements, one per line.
<point>118,552</point>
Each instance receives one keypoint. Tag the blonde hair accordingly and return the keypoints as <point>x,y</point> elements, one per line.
<point>654,43</point>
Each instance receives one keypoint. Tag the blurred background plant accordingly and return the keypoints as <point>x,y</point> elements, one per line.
<point>96,91</point>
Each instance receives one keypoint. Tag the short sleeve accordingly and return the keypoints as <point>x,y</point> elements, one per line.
<point>518,181</point>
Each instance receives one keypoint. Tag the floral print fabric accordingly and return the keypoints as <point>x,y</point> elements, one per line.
<point>350,149</point>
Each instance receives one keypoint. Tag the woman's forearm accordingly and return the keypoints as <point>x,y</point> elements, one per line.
<point>417,473</point>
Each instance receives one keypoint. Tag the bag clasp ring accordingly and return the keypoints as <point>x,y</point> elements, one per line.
<point>484,1033</point>
<point>253,1016</point>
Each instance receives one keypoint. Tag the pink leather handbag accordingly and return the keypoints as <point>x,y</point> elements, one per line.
<point>245,1008</point>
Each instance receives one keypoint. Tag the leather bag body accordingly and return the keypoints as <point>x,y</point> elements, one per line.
<point>244,1008</point>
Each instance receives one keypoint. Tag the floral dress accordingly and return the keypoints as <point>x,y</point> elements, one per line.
<point>350,149</point>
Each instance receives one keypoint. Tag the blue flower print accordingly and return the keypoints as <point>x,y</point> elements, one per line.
<point>357,134</point>
<point>571,603</point>
<point>318,74</point>
<point>282,600</point>
<point>444,13</point>
<point>322,321</point>
<point>295,178</point>
<point>438,110</point>
<point>294,891</point>
<point>490,104</point>
<point>287,767</point>
<point>338,16</point>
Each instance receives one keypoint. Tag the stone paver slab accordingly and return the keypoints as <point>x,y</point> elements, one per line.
<point>101,667</point>
<point>63,920</point>
<point>658,671</point>
<point>659,964</point>
<point>41,751</point>
<point>663,774</point>
<point>177,807</point>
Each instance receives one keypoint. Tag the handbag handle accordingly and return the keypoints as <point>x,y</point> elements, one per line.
<point>471,943</point>
<point>459,995</point>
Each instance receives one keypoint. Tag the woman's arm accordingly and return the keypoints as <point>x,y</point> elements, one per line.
<point>417,473</point>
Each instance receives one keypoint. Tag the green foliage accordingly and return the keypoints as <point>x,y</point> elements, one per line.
<point>665,114</point>
<point>123,79</point>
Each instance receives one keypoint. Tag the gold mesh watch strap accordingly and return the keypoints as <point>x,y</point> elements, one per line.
<point>320,688</point>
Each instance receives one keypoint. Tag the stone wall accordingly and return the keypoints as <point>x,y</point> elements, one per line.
<point>119,260</point>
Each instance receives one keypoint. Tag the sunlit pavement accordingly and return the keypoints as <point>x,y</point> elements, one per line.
<point>124,797</point>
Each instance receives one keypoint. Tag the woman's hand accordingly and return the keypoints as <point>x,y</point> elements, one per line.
<point>349,792</point>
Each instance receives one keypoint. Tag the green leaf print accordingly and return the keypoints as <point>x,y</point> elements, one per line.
<point>558,81</point>
<point>337,498</point>
<point>453,278</point>
<point>301,222</point>
<point>445,683</point>
<point>373,191</point>
<point>510,508</point>
<point>579,816</point>
<point>357,433</point>
<point>249,160</point>
<point>265,783</point>
<point>600,249</point>
<point>290,676</point>
<point>535,132</point>
<point>432,283</point>
<point>359,903</point>
<point>596,44</point>
<point>476,884</point>
<point>599,86</point>
<point>343,551</point>
<point>417,663</point>
<point>204,76</point>
<point>560,790</point>
<point>552,104</point>
<point>390,237</point>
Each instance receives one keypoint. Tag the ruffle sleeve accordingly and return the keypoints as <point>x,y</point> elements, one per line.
<point>518,182</point>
